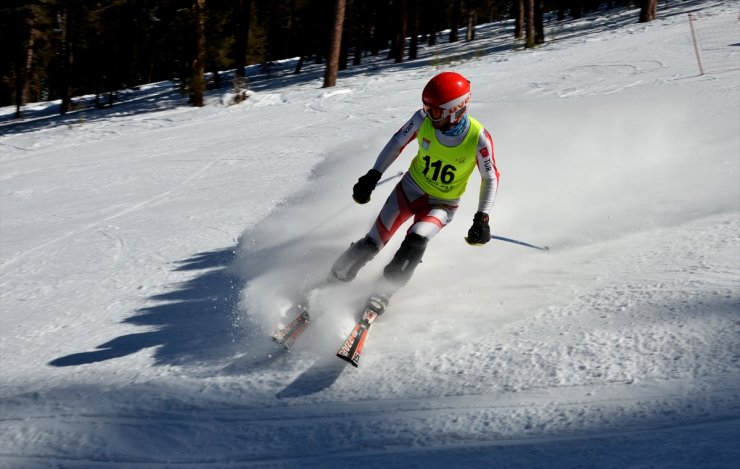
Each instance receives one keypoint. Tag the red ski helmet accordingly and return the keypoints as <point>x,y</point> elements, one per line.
<point>447,95</point>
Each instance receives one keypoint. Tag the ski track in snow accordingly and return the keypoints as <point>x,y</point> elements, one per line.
<point>135,328</point>
<point>393,427</point>
<point>151,201</point>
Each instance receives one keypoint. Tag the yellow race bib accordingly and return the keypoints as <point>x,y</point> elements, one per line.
<point>441,171</point>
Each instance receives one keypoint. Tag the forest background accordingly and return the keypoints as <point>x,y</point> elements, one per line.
<point>60,49</point>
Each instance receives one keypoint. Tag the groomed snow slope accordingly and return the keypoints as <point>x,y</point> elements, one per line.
<point>148,250</point>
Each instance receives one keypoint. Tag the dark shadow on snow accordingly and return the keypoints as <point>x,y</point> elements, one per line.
<point>321,375</point>
<point>196,323</point>
<point>263,354</point>
<point>193,323</point>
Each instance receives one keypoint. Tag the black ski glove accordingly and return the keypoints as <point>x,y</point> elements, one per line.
<point>480,233</point>
<point>365,185</point>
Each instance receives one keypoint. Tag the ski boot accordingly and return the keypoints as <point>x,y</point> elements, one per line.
<point>353,259</point>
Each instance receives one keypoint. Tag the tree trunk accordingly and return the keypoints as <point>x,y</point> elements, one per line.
<point>197,80</point>
<point>65,90</point>
<point>530,23</point>
<point>455,19</point>
<point>519,22</point>
<point>244,16</point>
<point>24,77</point>
<point>648,10</point>
<point>470,34</point>
<point>332,65</point>
<point>344,49</point>
<point>429,22</point>
<point>414,46</point>
<point>539,22</point>
<point>399,42</point>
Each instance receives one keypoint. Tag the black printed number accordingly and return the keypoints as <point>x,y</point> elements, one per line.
<point>445,173</point>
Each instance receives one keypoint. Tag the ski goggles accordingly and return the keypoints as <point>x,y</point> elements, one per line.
<point>453,109</point>
<point>435,114</point>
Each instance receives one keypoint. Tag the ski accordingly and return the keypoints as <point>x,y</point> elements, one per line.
<point>351,349</point>
<point>288,335</point>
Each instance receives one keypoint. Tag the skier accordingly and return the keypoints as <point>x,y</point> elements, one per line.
<point>451,144</point>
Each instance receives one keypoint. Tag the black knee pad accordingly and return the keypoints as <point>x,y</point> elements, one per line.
<point>408,256</point>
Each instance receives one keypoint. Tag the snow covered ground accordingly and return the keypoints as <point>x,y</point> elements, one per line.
<point>147,251</point>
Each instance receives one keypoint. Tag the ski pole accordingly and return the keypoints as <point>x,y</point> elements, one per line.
<point>390,178</point>
<point>521,243</point>
<point>348,205</point>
